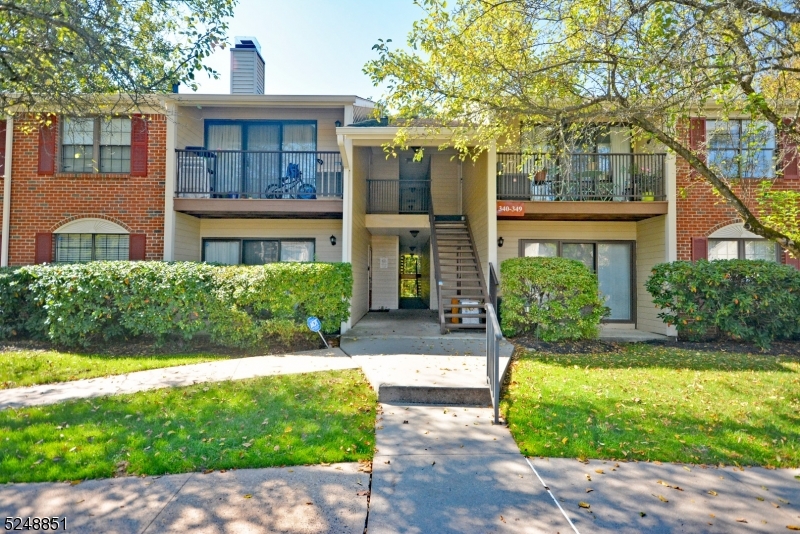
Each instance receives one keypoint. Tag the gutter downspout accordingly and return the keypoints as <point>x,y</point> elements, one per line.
<point>7,194</point>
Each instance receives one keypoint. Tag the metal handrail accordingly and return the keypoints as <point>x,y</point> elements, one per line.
<point>398,196</point>
<point>437,269</point>
<point>494,281</point>
<point>481,277</point>
<point>493,337</point>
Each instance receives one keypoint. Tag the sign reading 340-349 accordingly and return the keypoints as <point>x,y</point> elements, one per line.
<point>506,208</point>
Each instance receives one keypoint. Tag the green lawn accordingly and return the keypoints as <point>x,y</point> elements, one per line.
<point>657,403</point>
<point>26,368</point>
<point>273,421</point>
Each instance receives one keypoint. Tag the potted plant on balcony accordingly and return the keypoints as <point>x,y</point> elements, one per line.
<point>648,196</point>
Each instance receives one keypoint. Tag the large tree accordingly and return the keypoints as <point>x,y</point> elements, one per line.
<point>501,69</point>
<point>64,53</point>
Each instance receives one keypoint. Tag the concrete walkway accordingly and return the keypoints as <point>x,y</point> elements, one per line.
<point>303,499</point>
<point>184,375</point>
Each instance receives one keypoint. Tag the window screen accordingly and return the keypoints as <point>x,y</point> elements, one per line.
<point>79,248</point>
<point>260,252</point>
<point>297,251</point>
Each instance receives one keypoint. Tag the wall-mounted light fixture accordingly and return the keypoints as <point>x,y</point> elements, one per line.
<point>338,124</point>
<point>500,241</point>
<point>333,240</point>
<point>414,233</point>
<point>412,250</point>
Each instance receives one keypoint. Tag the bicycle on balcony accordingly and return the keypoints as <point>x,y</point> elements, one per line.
<point>292,186</point>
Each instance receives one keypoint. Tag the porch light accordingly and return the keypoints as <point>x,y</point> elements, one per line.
<point>414,233</point>
<point>338,124</point>
<point>500,241</point>
<point>333,240</point>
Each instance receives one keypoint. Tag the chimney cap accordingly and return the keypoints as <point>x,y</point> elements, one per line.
<point>247,42</point>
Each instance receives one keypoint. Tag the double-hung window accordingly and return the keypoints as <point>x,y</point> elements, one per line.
<point>79,248</point>
<point>257,251</point>
<point>96,145</point>
<point>741,148</point>
<point>743,249</point>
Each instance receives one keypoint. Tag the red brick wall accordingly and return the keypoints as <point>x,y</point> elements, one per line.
<point>699,211</point>
<point>44,203</point>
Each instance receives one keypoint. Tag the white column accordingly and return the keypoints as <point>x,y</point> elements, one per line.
<point>671,241</point>
<point>169,183</point>
<point>7,194</point>
<point>491,188</point>
<point>346,150</point>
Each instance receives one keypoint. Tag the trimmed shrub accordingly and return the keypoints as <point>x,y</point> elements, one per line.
<point>746,300</point>
<point>552,298</point>
<point>236,306</point>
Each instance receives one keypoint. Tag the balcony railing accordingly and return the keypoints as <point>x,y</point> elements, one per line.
<point>570,177</point>
<point>398,196</point>
<point>258,174</point>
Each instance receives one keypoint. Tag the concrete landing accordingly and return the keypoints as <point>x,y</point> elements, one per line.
<point>408,378</point>
<point>628,335</point>
<point>449,470</point>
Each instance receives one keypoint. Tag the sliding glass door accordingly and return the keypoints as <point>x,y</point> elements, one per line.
<point>612,261</point>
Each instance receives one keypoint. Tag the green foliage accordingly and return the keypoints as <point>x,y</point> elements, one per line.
<point>272,421</point>
<point>238,306</point>
<point>552,298</point>
<point>747,300</point>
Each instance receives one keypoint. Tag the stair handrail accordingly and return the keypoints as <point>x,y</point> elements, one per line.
<point>494,281</point>
<point>481,278</point>
<point>437,270</point>
<point>493,337</point>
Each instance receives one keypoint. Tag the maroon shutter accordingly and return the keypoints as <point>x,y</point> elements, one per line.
<point>44,248</point>
<point>136,247</point>
<point>789,156</point>
<point>697,136</point>
<point>139,136</point>
<point>789,260</point>
<point>699,248</point>
<point>2,147</point>
<point>47,148</point>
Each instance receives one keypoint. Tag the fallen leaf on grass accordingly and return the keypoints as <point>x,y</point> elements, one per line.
<point>75,482</point>
<point>583,504</point>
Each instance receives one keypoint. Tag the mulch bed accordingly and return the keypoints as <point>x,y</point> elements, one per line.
<point>778,348</point>
<point>147,347</point>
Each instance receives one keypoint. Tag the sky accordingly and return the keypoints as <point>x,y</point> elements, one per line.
<point>314,46</point>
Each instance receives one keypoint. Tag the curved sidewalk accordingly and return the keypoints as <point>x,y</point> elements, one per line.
<point>182,375</point>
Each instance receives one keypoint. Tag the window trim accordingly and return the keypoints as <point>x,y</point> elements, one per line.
<point>259,122</point>
<point>740,248</point>
<point>739,149</point>
<point>242,240</point>
<point>631,243</point>
<point>98,120</point>
<point>93,246</point>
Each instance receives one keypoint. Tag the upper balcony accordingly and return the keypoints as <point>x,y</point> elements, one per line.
<point>252,183</point>
<point>600,186</point>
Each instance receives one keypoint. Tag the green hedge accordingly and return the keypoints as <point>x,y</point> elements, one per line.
<point>236,306</point>
<point>747,300</point>
<point>552,298</point>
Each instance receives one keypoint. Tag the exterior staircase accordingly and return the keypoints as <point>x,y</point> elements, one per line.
<point>462,286</point>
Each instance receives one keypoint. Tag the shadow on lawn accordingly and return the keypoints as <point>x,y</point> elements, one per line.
<point>666,357</point>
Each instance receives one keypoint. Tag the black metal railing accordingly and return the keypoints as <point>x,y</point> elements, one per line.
<point>258,174</point>
<point>494,283</point>
<point>610,177</point>
<point>398,196</point>
<point>493,337</point>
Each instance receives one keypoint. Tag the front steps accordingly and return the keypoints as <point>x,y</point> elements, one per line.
<point>463,290</point>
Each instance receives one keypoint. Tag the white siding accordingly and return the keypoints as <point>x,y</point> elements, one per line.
<point>650,250</point>
<point>190,127</point>
<point>381,167</point>
<point>187,237</point>
<point>359,305</point>
<point>476,206</point>
<point>385,280</point>
<point>319,229</point>
<point>445,186</point>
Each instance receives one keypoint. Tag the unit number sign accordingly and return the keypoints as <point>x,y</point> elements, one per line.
<point>510,209</point>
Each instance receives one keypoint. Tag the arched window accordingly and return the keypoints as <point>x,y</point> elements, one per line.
<point>91,239</point>
<point>734,242</point>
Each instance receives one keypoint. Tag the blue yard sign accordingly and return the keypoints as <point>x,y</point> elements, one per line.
<point>315,325</point>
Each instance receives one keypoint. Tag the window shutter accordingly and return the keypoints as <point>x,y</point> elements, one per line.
<point>139,137</point>
<point>47,148</point>
<point>699,248</point>
<point>789,156</point>
<point>44,248</point>
<point>789,260</point>
<point>2,148</point>
<point>697,136</point>
<point>136,247</point>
